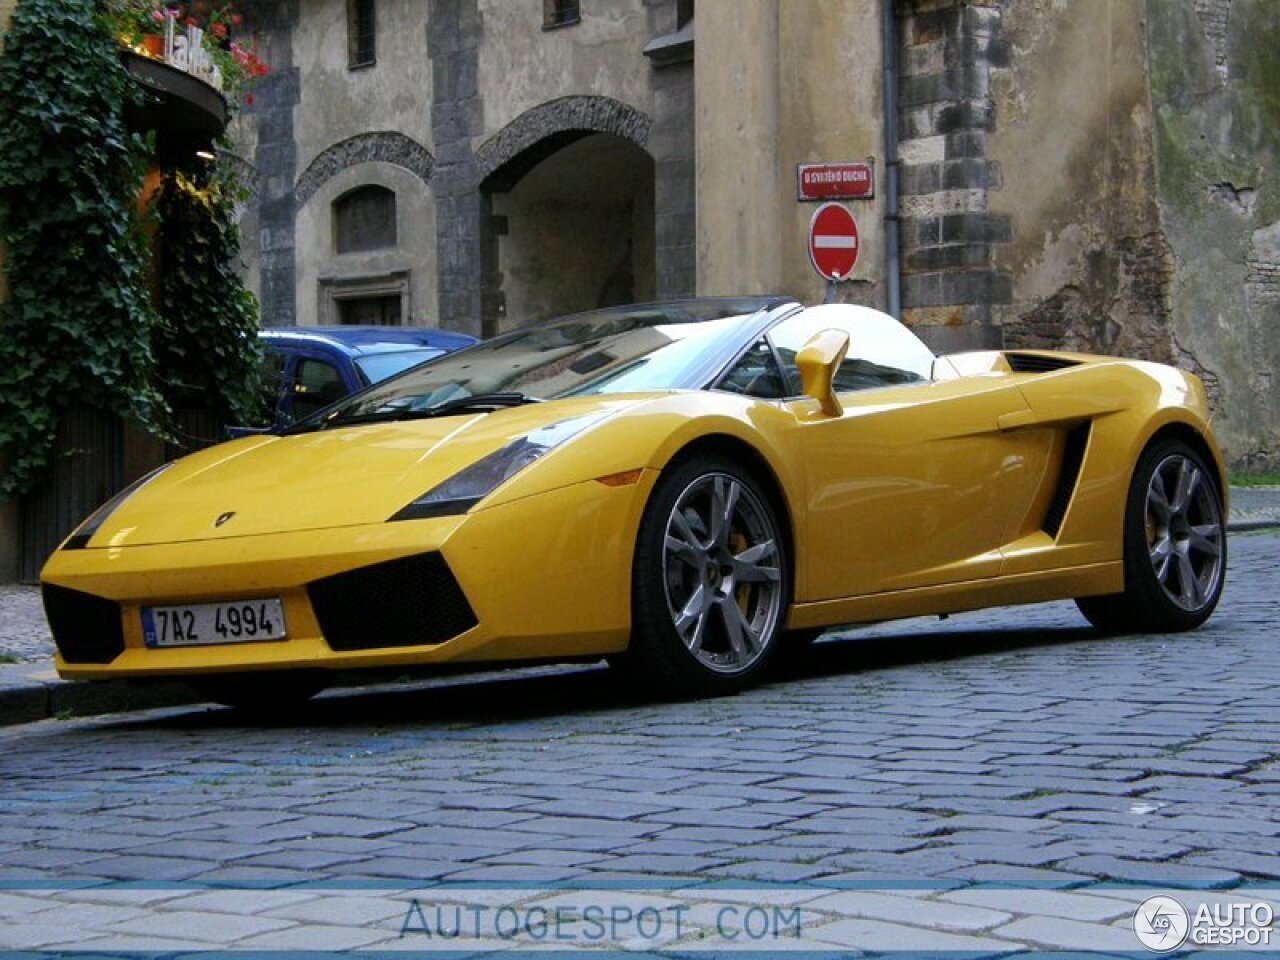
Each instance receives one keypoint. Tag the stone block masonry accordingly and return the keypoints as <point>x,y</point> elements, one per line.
<point>947,52</point>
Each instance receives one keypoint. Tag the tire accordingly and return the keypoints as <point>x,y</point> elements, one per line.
<point>710,582</point>
<point>1175,546</point>
<point>268,695</point>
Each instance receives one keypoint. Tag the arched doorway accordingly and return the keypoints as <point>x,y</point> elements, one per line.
<point>571,228</point>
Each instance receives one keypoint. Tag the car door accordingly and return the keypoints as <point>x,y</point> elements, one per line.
<point>916,483</point>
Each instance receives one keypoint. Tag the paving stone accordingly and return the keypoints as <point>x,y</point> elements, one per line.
<point>1154,873</point>
<point>876,936</point>
<point>1056,933</point>
<point>659,863</point>
<point>936,914</point>
<point>1010,875</point>
<point>208,927</point>
<point>314,937</point>
<point>768,871</point>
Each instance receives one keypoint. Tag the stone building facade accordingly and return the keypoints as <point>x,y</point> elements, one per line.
<point>1090,174</point>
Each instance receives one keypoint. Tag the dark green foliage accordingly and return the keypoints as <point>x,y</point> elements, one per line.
<point>79,327</point>
<point>206,349</point>
<point>75,328</point>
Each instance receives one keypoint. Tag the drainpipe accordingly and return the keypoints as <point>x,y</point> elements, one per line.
<point>893,266</point>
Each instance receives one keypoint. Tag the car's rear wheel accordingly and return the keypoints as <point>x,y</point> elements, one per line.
<point>711,580</point>
<point>268,695</point>
<point>1175,546</point>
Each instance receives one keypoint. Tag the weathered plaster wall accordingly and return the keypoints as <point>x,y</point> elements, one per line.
<point>521,65</point>
<point>809,90</point>
<point>830,108</point>
<point>337,102</point>
<point>414,254</point>
<point>1072,137</point>
<point>739,181</point>
<point>1215,90</point>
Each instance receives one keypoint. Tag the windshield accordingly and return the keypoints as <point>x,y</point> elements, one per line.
<point>376,367</point>
<point>652,347</point>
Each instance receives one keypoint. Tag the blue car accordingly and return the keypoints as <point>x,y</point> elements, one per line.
<point>311,367</point>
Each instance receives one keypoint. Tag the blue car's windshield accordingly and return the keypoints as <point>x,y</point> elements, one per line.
<point>655,347</point>
<point>376,367</point>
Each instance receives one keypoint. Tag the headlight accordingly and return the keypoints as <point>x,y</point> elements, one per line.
<point>84,533</point>
<point>472,484</point>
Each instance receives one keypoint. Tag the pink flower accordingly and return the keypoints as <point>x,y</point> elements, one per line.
<point>157,16</point>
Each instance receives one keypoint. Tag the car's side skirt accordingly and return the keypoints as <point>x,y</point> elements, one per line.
<point>1081,581</point>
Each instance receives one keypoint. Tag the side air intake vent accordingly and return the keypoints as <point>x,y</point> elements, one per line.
<point>399,603</point>
<point>86,629</point>
<point>1037,363</point>
<point>1072,460</point>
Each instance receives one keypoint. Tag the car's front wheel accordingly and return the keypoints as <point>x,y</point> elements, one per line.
<point>710,582</point>
<point>1175,546</point>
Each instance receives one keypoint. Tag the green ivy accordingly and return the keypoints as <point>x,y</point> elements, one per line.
<point>75,329</point>
<point>79,327</point>
<point>206,348</point>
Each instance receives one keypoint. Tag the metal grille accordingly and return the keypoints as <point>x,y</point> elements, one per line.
<point>399,603</point>
<point>87,629</point>
<point>1032,363</point>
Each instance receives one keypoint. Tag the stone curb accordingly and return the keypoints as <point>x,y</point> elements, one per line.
<point>30,691</point>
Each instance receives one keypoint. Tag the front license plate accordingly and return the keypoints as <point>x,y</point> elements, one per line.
<point>232,621</point>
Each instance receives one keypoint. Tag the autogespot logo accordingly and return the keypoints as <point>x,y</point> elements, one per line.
<point>1161,924</point>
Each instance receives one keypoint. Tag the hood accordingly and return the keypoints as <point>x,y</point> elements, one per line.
<point>331,478</point>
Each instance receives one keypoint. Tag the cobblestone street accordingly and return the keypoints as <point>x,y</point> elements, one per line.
<point>1012,746</point>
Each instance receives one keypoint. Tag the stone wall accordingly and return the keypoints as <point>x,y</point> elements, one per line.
<point>1089,262</point>
<point>267,137</point>
<point>1215,95</point>
<point>952,226</point>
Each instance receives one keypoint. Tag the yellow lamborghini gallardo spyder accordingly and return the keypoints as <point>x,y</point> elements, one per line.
<point>681,487</point>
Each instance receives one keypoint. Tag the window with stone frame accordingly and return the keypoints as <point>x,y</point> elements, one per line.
<point>364,219</point>
<point>362,33</point>
<point>559,13</point>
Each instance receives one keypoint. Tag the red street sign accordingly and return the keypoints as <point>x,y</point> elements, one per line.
<point>834,181</point>
<point>833,241</point>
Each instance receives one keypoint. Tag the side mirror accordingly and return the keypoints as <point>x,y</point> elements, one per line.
<point>818,361</point>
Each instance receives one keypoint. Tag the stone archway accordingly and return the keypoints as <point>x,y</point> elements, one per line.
<point>378,147</point>
<point>568,189</point>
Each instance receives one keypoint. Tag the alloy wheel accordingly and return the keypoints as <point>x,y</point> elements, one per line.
<point>722,573</point>
<point>1184,532</point>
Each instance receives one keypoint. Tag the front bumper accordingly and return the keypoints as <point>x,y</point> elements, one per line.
<point>543,578</point>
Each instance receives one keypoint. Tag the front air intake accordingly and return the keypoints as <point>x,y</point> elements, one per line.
<point>399,603</point>
<point>86,629</point>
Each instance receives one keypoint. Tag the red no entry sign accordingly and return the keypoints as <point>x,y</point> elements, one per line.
<point>833,241</point>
